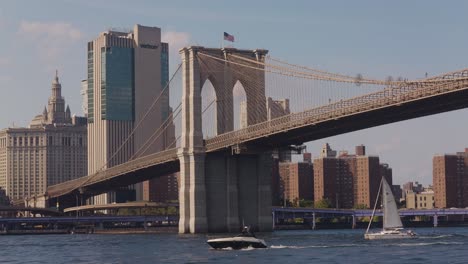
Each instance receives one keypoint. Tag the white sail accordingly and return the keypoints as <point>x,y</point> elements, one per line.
<point>391,217</point>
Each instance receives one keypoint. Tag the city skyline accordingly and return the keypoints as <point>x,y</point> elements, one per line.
<point>408,146</point>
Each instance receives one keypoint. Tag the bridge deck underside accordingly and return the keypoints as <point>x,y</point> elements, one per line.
<point>118,180</point>
<point>375,117</point>
<point>133,177</point>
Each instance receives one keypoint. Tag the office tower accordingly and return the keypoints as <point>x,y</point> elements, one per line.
<point>450,180</point>
<point>127,71</point>
<point>50,151</point>
<point>84,97</point>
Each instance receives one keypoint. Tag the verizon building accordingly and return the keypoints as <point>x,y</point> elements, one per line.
<point>126,72</point>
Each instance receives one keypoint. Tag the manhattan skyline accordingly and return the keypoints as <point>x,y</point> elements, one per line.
<point>374,39</point>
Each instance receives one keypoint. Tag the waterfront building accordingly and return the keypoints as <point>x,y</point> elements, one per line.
<point>360,150</point>
<point>422,200</point>
<point>348,180</point>
<point>450,180</point>
<point>275,109</point>
<point>53,149</point>
<point>397,192</point>
<point>408,187</point>
<point>296,181</point>
<point>127,71</point>
<point>4,199</point>
<point>387,173</point>
<point>367,181</point>
<point>163,189</point>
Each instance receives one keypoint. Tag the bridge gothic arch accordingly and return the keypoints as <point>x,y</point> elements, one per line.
<point>209,110</point>
<point>239,99</point>
<point>200,64</point>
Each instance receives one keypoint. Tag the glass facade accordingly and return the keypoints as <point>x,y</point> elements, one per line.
<point>90,83</point>
<point>165,79</point>
<point>117,84</point>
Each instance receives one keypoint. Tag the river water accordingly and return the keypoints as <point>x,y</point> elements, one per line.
<point>434,245</point>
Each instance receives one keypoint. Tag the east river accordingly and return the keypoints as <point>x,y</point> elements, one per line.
<point>434,245</point>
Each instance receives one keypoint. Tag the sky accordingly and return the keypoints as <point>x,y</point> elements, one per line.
<point>375,38</point>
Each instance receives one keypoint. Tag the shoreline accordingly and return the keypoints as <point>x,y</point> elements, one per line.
<point>174,229</point>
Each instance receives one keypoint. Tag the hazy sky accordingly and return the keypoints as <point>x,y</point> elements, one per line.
<point>375,38</point>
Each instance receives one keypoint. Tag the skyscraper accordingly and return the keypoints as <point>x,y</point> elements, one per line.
<point>50,151</point>
<point>127,71</point>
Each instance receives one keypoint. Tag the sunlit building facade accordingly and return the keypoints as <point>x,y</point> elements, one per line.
<point>53,149</point>
<point>127,71</point>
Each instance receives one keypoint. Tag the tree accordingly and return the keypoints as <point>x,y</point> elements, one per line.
<point>360,206</point>
<point>324,203</point>
<point>306,203</point>
<point>171,210</point>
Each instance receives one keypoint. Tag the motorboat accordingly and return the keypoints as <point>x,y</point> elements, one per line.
<point>244,240</point>
<point>392,225</point>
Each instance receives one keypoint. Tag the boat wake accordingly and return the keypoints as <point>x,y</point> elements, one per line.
<point>428,244</point>
<point>242,249</point>
<point>312,246</point>
<point>435,237</point>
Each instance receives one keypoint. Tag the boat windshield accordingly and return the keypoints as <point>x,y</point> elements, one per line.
<point>246,232</point>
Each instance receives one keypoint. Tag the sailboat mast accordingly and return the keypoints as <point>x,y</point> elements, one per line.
<point>375,205</point>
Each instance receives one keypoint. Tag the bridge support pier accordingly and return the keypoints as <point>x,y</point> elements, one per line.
<point>238,192</point>
<point>435,220</point>
<point>192,193</point>
<point>219,191</point>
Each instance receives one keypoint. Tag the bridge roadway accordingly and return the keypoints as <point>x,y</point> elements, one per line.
<point>440,94</point>
<point>133,205</point>
<point>89,219</point>
<point>277,212</point>
<point>42,211</point>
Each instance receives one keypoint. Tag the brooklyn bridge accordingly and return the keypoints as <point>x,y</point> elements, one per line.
<point>222,145</point>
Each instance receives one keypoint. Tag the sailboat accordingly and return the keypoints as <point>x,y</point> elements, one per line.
<point>392,226</point>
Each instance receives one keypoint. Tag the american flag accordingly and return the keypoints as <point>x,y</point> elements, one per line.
<point>228,37</point>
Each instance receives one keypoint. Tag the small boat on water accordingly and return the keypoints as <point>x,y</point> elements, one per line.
<point>244,240</point>
<point>392,226</point>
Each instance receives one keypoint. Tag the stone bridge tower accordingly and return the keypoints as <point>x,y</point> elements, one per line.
<point>218,191</point>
